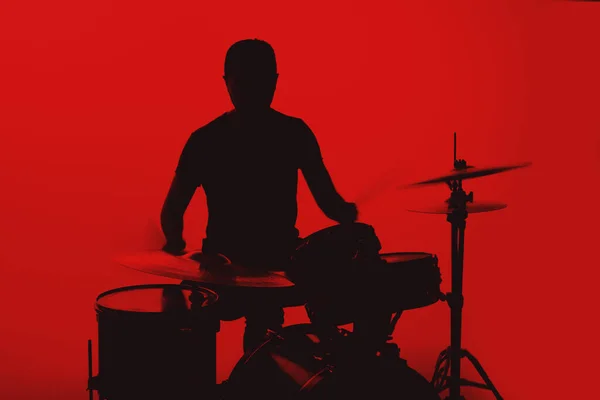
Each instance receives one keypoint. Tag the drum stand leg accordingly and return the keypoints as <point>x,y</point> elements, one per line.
<point>394,321</point>
<point>90,387</point>
<point>447,369</point>
<point>93,381</point>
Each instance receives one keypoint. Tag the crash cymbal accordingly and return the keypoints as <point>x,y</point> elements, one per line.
<point>469,172</point>
<point>200,268</point>
<point>472,208</point>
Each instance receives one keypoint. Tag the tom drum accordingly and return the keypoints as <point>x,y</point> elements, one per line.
<point>156,342</point>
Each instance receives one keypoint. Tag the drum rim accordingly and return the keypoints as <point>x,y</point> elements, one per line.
<point>102,308</point>
<point>422,256</point>
<point>423,253</point>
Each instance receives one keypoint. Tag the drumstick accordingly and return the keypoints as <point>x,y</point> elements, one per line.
<point>387,179</point>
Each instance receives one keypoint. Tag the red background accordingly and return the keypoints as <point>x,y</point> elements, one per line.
<point>98,99</point>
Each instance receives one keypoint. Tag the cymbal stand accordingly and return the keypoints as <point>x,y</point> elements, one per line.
<point>447,369</point>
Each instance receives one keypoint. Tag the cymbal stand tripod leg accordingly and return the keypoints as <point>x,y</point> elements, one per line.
<point>449,360</point>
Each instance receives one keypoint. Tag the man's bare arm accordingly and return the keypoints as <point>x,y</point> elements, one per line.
<point>326,196</point>
<point>319,181</point>
<point>171,217</point>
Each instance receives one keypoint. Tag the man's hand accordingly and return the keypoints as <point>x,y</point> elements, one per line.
<point>348,213</point>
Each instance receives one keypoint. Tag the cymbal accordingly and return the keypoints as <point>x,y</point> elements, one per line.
<point>200,268</point>
<point>472,208</point>
<point>470,172</point>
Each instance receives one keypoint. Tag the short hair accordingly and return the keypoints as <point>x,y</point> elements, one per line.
<point>252,56</point>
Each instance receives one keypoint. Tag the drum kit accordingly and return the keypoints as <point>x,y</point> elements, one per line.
<point>159,341</point>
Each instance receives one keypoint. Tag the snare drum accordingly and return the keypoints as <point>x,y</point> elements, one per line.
<point>156,342</point>
<point>299,363</point>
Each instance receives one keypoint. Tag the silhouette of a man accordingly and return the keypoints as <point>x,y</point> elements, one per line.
<point>247,162</point>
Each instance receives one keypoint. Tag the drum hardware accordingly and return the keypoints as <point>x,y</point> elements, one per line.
<point>393,324</point>
<point>447,373</point>
<point>463,171</point>
<point>471,208</point>
<point>92,381</point>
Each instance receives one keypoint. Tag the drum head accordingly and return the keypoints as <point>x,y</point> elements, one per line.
<point>154,299</point>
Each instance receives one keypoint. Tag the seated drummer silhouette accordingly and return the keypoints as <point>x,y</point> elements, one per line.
<point>247,161</point>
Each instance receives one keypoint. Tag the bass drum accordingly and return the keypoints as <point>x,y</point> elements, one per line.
<point>299,363</point>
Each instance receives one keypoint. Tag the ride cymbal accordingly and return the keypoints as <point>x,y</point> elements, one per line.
<point>469,172</point>
<point>472,208</point>
<point>200,268</point>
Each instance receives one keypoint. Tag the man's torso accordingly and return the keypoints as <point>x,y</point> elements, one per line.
<point>249,172</point>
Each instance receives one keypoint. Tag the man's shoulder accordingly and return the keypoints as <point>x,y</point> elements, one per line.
<point>288,118</point>
<point>215,123</point>
<point>209,129</point>
<point>293,124</point>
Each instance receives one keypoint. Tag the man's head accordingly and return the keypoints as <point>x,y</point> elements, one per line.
<point>251,74</point>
